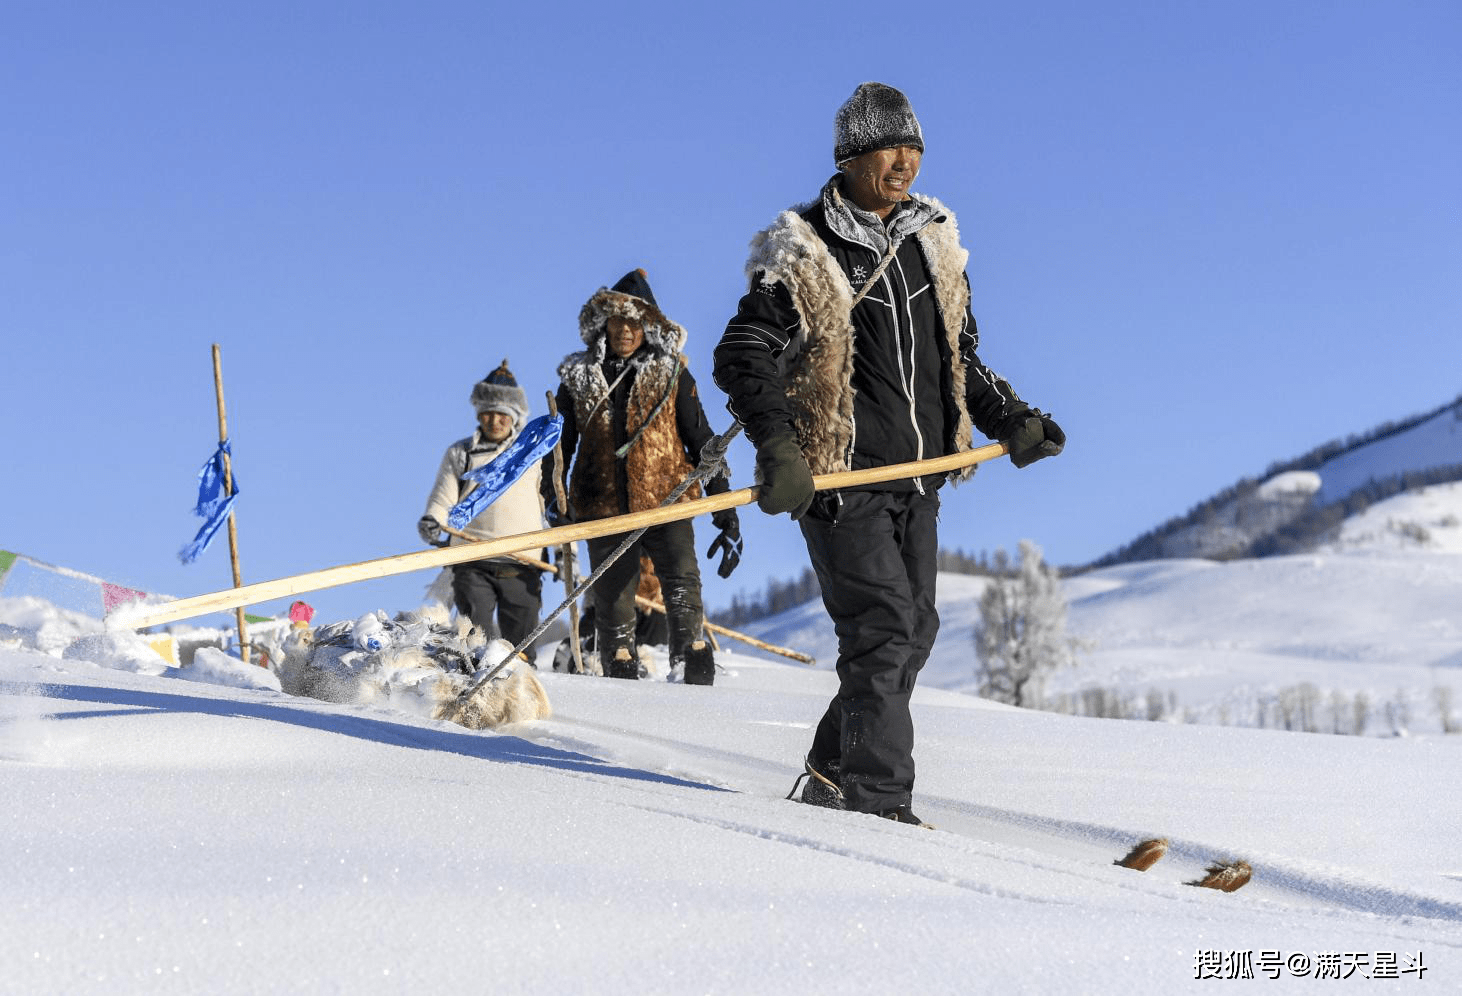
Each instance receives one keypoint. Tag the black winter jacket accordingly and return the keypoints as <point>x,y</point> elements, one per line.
<point>903,404</point>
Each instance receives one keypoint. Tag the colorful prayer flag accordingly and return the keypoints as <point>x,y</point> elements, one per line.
<point>114,595</point>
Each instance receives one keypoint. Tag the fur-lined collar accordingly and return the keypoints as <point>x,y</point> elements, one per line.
<point>865,228</point>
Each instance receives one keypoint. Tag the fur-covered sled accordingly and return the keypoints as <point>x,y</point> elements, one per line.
<point>419,661</point>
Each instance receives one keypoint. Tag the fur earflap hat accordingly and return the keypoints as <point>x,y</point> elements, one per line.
<point>632,298</point>
<point>876,117</point>
<point>499,392</point>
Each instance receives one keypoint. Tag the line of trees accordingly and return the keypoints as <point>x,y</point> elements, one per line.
<point>1302,708</point>
<point>1326,452</point>
<point>779,596</point>
<point>1313,525</point>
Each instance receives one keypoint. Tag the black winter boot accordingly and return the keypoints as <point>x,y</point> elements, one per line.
<point>903,814</point>
<point>700,664</point>
<point>822,787</point>
<point>623,665</point>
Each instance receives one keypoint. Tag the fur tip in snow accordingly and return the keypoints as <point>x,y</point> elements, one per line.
<point>1144,855</point>
<point>1225,876</point>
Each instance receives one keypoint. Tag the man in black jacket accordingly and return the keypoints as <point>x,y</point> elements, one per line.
<point>855,348</point>
<point>633,430</point>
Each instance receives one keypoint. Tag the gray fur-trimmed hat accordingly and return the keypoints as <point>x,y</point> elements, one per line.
<point>876,117</point>
<point>499,392</point>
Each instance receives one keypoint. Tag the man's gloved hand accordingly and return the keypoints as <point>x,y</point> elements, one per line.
<point>728,542</point>
<point>427,528</point>
<point>1035,437</point>
<point>786,480</point>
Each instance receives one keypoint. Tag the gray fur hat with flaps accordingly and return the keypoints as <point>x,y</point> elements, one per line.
<point>499,392</point>
<point>876,117</point>
<point>630,297</point>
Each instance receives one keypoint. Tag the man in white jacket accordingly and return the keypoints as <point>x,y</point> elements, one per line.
<point>502,585</point>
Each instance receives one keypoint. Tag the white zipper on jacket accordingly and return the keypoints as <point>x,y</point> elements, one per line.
<point>907,382</point>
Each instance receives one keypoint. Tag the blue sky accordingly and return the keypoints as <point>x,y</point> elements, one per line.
<point>1206,236</point>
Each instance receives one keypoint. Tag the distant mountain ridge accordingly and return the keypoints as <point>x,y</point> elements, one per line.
<point>1300,504</point>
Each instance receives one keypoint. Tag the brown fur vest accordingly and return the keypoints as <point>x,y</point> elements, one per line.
<point>657,461</point>
<point>820,358</point>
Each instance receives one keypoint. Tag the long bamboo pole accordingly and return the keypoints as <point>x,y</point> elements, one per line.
<point>331,577</point>
<point>228,489</point>
<point>796,655</point>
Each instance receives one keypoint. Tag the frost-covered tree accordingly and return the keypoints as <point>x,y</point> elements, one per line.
<point>1021,636</point>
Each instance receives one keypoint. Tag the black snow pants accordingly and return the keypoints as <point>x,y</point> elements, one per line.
<point>876,557</point>
<point>513,592</point>
<point>671,548</point>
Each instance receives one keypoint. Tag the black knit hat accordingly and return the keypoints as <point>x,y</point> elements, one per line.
<point>876,117</point>
<point>499,392</point>
<point>637,284</point>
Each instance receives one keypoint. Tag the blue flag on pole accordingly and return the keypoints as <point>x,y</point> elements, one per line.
<point>498,474</point>
<point>213,505</point>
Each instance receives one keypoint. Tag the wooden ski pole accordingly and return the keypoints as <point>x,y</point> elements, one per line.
<point>653,606</point>
<point>228,489</point>
<point>140,616</point>
<point>570,568</point>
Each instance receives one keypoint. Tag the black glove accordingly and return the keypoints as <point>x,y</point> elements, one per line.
<point>786,480</point>
<point>427,528</point>
<point>554,515</point>
<point>1035,437</point>
<point>728,542</point>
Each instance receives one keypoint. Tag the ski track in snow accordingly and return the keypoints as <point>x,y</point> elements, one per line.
<point>1065,848</point>
<point>1274,879</point>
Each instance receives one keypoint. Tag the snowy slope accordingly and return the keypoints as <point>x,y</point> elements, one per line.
<point>171,837</point>
<point>174,836</point>
<point>1428,520</point>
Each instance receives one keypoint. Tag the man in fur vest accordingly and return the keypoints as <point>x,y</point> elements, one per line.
<point>501,585</point>
<point>633,430</point>
<point>855,348</point>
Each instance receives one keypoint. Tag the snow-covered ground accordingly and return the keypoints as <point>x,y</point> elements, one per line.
<point>182,837</point>
<point>1377,614</point>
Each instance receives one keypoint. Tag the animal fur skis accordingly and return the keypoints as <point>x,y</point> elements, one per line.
<point>1225,876</point>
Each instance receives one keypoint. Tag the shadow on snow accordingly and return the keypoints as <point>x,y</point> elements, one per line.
<point>486,746</point>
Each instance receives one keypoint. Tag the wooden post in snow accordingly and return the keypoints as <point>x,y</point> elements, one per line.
<point>228,489</point>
